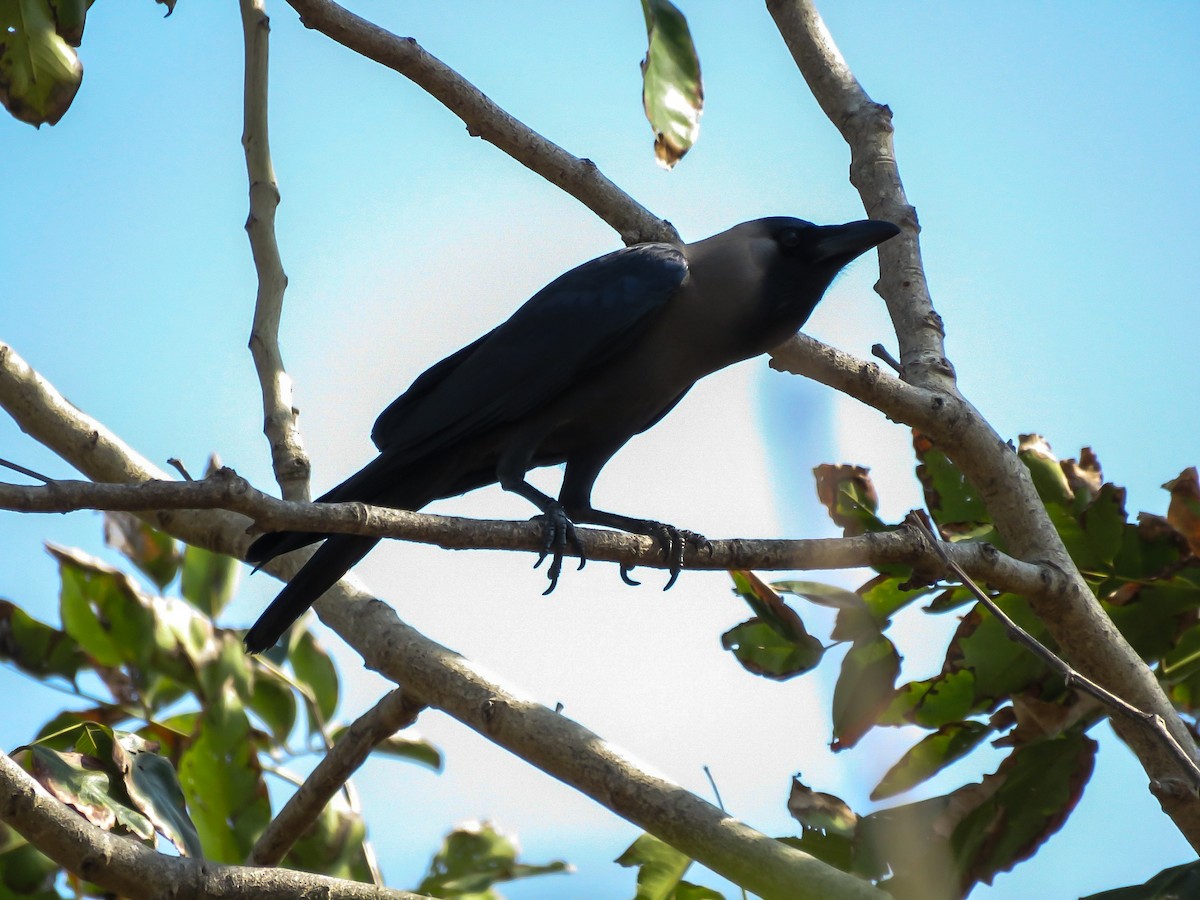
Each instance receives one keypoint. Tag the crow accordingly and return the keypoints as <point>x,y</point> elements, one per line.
<point>600,354</point>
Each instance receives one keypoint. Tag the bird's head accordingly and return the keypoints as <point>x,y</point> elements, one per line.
<point>801,245</point>
<point>799,260</point>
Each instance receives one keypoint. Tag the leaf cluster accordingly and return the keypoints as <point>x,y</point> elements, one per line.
<point>1146,575</point>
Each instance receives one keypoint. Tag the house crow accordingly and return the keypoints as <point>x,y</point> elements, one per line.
<point>598,355</point>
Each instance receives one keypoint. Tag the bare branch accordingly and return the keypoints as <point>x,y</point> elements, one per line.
<point>392,713</point>
<point>128,868</point>
<point>225,489</point>
<point>578,177</point>
<point>1153,723</point>
<point>1086,636</point>
<point>288,456</point>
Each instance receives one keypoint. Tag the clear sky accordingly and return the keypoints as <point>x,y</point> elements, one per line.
<point>1050,152</point>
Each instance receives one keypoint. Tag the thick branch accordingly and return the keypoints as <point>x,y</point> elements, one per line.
<point>131,869</point>
<point>225,489</point>
<point>288,456</point>
<point>1086,636</point>
<point>578,177</point>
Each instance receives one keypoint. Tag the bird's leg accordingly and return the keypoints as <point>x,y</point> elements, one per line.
<point>671,540</point>
<point>576,497</point>
<point>558,531</point>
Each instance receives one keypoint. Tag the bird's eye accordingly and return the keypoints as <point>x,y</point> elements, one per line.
<point>789,238</point>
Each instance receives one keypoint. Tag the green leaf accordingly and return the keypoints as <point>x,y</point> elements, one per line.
<point>209,580</point>
<point>774,644</point>
<point>999,665</point>
<point>660,867</point>
<point>884,597</point>
<point>848,493</point>
<point>762,650</point>
<point>1103,523</point>
<point>864,688</point>
<point>334,844</point>
<point>24,871</point>
<point>103,610</point>
<point>1149,616</point>
<point>1046,471</point>
<point>222,782</point>
<point>932,703</point>
<point>82,782</point>
<point>153,786</point>
<point>273,701</point>
<point>931,754</point>
<point>39,72</point>
<point>672,91</point>
<point>412,750</point>
<point>1184,511</point>
<point>836,850</point>
<point>69,19</point>
<point>953,503</point>
<point>824,812</point>
<point>1176,883</point>
<point>1022,805</point>
<point>35,647</point>
<point>315,670</point>
<point>154,552</point>
<point>472,859</point>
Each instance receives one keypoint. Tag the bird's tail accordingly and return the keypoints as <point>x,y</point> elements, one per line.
<point>333,559</point>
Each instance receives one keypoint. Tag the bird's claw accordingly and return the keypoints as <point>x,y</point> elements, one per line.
<point>558,533</point>
<point>673,542</point>
<point>625,570</point>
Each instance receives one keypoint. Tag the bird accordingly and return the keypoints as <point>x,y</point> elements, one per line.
<point>602,353</point>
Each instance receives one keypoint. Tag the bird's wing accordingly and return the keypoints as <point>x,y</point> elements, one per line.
<point>577,322</point>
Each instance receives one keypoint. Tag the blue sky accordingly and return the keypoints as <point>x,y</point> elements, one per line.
<point>1049,150</point>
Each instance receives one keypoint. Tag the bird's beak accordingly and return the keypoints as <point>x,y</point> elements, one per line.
<point>842,243</point>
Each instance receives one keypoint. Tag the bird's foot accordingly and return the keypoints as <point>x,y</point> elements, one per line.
<point>558,533</point>
<point>673,542</point>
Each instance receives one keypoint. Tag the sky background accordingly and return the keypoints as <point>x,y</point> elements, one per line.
<point>1049,150</point>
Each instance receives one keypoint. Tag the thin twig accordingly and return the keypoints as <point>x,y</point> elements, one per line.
<point>289,459</point>
<point>881,352</point>
<point>24,471</point>
<point>178,466</point>
<point>1154,723</point>
<point>225,489</point>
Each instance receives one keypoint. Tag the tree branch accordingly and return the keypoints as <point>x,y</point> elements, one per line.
<point>484,119</point>
<point>225,489</point>
<point>443,679</point>
<point>1086,636</point>
<point>288,456</point>
<point>131,869</point>
<point>392,713</point>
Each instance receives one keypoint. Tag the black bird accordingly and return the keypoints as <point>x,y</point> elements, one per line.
<point>598,355</point>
